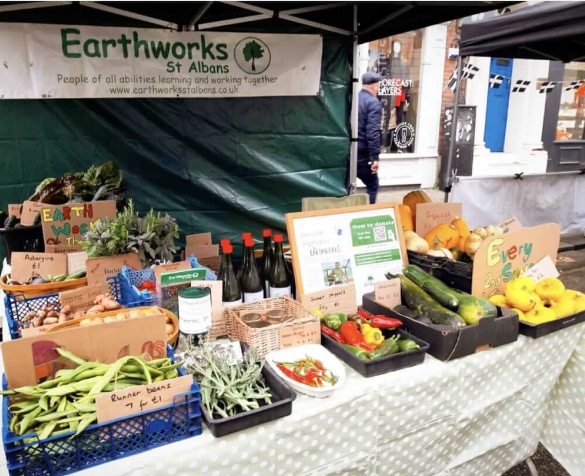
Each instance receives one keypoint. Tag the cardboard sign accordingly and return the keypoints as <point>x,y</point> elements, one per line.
<point>199,239</point>
<point>335,299</point>
<point>545,268</point>
<point>76,261</point>
<point>32,265</point>
<point>31,331</point>
<point>81,299</point>
<point>29,212</point>
<point>388,292</point>
<point>499,257</point>
<point>218,322</point>
<point>140,398</point>
<point>66,224</point>
<point>63,249</point>
<point>167,268</point>
<point>99,269</point>
<point>301,334</point>
<point>211,263</point>
<point>202,251</point>
<point>15,210</point>
<point>27,361</point>
<point>429,215</point>
<point>510,224</point>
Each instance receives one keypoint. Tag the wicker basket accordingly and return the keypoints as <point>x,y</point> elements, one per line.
<point>75,322</point>
<point>31,290</point>
<point>265,339</point>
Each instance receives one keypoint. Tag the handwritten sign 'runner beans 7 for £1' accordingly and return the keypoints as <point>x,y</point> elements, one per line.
<point>66,224</point>
<point>31,265</point>
<point>500,257</point>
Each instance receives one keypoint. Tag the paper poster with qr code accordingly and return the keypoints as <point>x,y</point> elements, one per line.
<point>359,247</point>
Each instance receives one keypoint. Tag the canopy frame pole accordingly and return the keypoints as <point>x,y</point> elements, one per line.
<point>233,21</point>
<point>320,26</point>
<point>354,107</point>
<point>315,8</point>
<point>202,11</point>
<point>125,13</point>
<point>390,17</point>
<point>447,175</point>
<point>30,6</point>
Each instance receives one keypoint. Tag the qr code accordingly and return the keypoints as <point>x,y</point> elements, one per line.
<point>380,233</point>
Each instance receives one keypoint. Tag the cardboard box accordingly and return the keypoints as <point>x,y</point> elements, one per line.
<point>29,360</point>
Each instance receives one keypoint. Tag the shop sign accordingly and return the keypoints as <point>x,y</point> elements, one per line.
<point>393,86</point>
<point>404,135</point>
<point>58,61</point>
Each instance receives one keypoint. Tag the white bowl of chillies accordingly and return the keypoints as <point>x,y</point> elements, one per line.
<point>310,369</point>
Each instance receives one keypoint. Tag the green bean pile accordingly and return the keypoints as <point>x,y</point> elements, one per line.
<point>67,402</point>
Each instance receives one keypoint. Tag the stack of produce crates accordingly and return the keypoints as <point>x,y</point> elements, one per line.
<point>102,442</point>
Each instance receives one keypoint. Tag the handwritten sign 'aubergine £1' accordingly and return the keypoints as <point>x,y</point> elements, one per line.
<point>66,224</point>
<point>140,398</point>
<point>32,265</point>
<point>500,257</point>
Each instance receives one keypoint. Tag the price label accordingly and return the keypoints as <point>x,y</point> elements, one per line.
<point>388,292</point>
<point>545,268</point>
<point>301,334</point>
<point>15,209</point>
<point>510,224</point>
<point>141,398</point>
<point>334,299</point>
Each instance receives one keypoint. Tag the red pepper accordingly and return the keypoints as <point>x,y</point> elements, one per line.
<point>336,336</point>
<point>352,335</point>
<point>148,286</point>
<point>379,321</point>
<point>290,374</point>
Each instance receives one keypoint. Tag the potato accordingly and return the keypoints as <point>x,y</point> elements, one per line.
<point>62,318</point>
<point>42,314</point>
<point>66,309</point>
<point>121,316</point>
<point>95,322</point>
<point>50,320</point>
<point>44,307</point>
<point>135,314</point>
<point>29,316</point>
<point>52,314</point>
<point>37,322</point>
<point>85,322</point>
<point>108,319</point>
<point>96,308</point>
<point>110,304</point>
<point>151,311</point>
<point>170,330</point>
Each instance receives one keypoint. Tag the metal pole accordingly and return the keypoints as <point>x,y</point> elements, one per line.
<point>447,178</point>
<point>354,107</point>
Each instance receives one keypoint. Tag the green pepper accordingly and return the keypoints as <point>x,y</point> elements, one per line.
<point>388,347</point>
<point>405,345</point>
<point>359,353</point>
<point>334,321</point>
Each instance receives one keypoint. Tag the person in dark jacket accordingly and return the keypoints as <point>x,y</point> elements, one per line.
<point>369,126</point>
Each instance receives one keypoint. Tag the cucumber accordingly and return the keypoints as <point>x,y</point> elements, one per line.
<point>437,289</point>
<point>474,308</point>
<point>58,278</point>
<point>424,305</point>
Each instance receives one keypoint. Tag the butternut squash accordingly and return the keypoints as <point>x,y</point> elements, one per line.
<point>415,242</point>
<point>464,232</point>
<point>443,236</point>
<point>406,218</point>
<point>412,199</point>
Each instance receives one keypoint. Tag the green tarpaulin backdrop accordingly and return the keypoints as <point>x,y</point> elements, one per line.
<point>220,165</point>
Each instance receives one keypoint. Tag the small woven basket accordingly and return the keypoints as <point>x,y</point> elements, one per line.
<point>265,339</point>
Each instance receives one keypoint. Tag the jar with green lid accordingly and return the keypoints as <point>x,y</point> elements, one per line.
<point>194,316</point>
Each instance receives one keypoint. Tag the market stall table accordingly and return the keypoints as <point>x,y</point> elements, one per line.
<point>479,415</point>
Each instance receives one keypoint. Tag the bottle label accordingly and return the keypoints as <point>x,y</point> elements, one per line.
<point>232,303</point>
<point>252,297</point>
<point>194,315</point>
<point>275,292</point>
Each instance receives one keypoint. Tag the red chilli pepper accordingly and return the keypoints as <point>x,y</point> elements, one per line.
<point>290,374</point>
<point>336,336</point>
<point>379,321</point>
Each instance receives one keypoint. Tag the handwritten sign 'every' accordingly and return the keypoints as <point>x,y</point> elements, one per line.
<point>66,224</point>
<point>141,398</point>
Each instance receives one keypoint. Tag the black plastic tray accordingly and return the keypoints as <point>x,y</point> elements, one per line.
<point>384,365</point>
<point>455,274</point>
<point>281,406</point>
<point>23,238</point>
<point>540,330</point>
<point>448,343</point>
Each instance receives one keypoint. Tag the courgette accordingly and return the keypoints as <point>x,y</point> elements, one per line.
<point>424,305</point>
<point>77,275</point>
<point>474,308</point>
<point>437,289</point>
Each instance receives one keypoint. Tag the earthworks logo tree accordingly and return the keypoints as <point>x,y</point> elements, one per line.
<point>253,51</point>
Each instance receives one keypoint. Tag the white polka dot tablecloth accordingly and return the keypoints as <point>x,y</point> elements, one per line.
<point>564,429</point>
<point>475,416</point>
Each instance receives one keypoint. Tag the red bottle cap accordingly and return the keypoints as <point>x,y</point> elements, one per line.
<point>245,235</point>
<point>224,241</point>
<point>278,238</point>
<point>249,242</point>
<point>266,232</point>
<point>228,249</point>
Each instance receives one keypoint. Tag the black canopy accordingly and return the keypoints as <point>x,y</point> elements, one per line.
<point>375,19</point>
<point>546,31</point>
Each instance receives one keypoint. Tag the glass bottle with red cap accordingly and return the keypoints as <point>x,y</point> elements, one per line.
<point>222,244</point>
<point>267,258</point>
<point>245,236</point>
<point>280,282</point>
<point>250,281</point>
<point>231,295</point>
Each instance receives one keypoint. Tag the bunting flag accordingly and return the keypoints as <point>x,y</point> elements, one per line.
<point>520,86</point>
<point>547,86</point>
<point>469,71</point>
<point>496,80</point>
<point>452,82</point>
<point>575,85</point>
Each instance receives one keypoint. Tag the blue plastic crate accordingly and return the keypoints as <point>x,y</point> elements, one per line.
<point>101,443</point>
<point>127,282</point>
<point>209,275</point>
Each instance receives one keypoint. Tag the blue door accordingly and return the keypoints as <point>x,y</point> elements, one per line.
<point>497,105</point>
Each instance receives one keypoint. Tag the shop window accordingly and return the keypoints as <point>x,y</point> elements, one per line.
<point>571,120</point>
<point>398,59</point>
